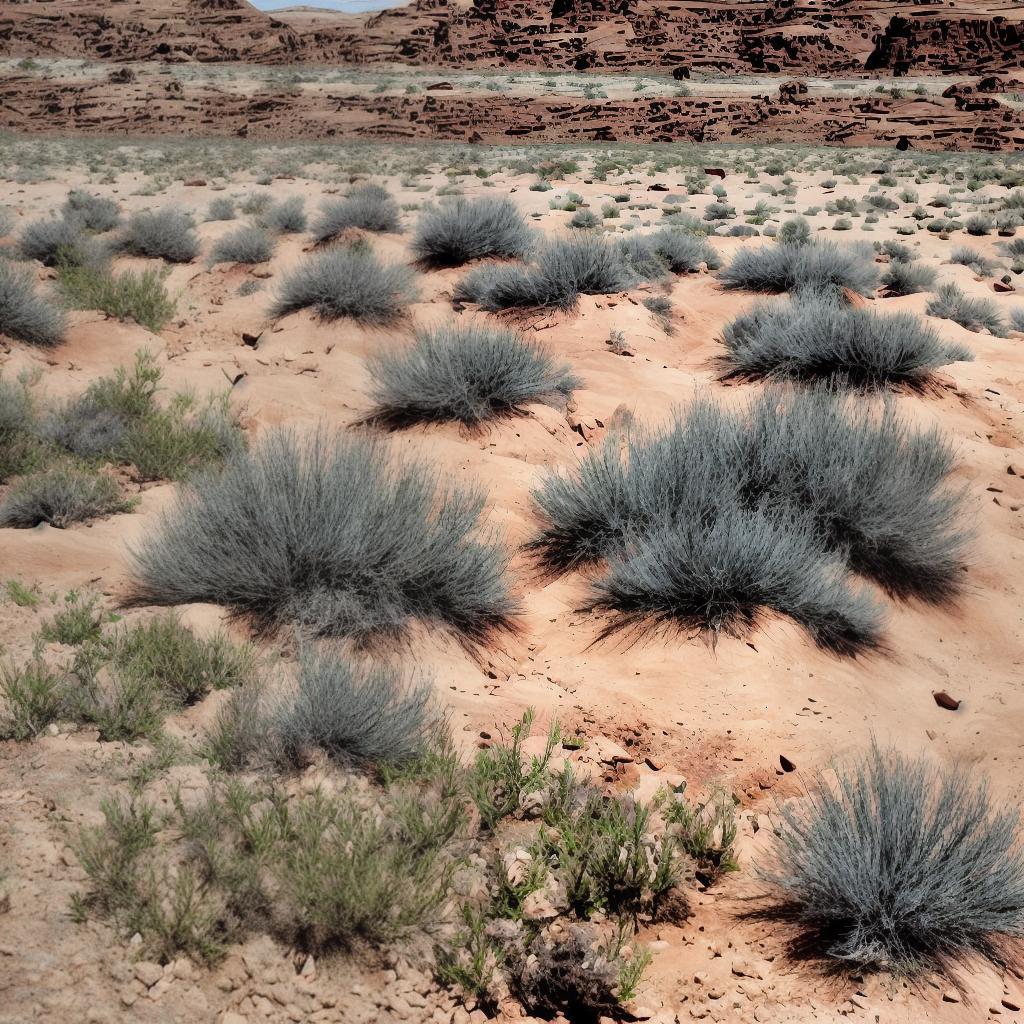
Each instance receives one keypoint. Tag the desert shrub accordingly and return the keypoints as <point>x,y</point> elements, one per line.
<point>897,251</point>
<point>978,224</point>
<point>638,253</point>
<point>96,213</point>
<point>172,661</point>
<point>719,514</point>
<point>1015,248</point>
<point>584,264</point>
<point>950,303</point>
<point>8,219</point>
<point>815,337</point>
<point>76,623</point>
<point>719,211</point>
<point>683,251</point>
<point>661,307</point>
<point>221,208</point>
<point>582,219</point>
<point>463,230</point>
<point>901,867</point>
<point>119,418</point>
<point>355,715</point>
<point>368,207</point>
<point>288,217</point>
<point>34,696</point>
<point>122,708</point>
<point>347,281</point>
<point>1017,319</point>
<point>141,297</point>
<point>469,374</point>
<point>319,872</point>
<point>787,267</point>
<point>25,316</point>
<point>965,256</point>
<point>903,278</point>
<point>20,449</point>
<point>61,496</point>
<point>58,240</point>
<point>333,533</point>
<point>247,244</point>
<point>166,234</point>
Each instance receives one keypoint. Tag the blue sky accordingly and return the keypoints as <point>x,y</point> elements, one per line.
<point>349,6</point>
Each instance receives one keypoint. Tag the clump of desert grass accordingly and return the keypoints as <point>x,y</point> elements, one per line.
<point>469,229</point>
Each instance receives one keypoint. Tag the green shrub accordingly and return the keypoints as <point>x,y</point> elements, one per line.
<point>140,297</point>
<point>76,623</point>
<point>34,696</point>
<point>58,240</point>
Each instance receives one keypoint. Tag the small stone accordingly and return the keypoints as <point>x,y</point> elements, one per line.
<point>946,702</point>
<point>148,972</point>
<point>654,763</point>
<point>786,764</point>
<point>950,996</point>
<point>1009,1004</point>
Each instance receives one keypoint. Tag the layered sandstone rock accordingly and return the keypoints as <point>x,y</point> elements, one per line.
<point>756,36</point>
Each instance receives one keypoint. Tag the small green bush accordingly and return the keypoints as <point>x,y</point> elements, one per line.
<point>76,623</point>
<point>58,240</point>
<point>34,696</point>
<point>141,297</point>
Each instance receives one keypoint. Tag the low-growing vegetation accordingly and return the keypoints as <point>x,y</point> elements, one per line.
<point>466,374</point>
<point>815,337</point>
<point>348,281</point>
<point>337,534</point>
<point>790,267</point>
<point>167,234</point>
<point>706,522</point>
<point>901,867</point>
<point>367,207</point>
<point>24,315</point>
<point>463,230</point>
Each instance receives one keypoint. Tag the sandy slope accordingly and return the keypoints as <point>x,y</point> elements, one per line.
<point>704,715</point>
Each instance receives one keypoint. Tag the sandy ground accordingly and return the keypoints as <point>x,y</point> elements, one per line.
<point>723,715</point>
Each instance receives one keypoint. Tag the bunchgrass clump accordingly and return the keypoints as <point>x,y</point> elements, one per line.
<point>128,295</point>
<point>20,446</point>
<point>583,264</point>
<point>356,715</point>
<point>902,277</point>
<point>32,697</point>
<point>367,207</point>
<point>221,208</point>
<point>334,533</point>
<point>288,217</point>
<point>965,256</point>
<point>96,213</point>
<point>463,230</point>
<point>899,866</point>
<point>167,234</point>
<point>348,281</point>
<point>719,515</point>
<point>465,374</point>
<point>61,496</point>
<point>79,621</point>
<point>950,303</point>
<point>248,244</point>
<point>24,315</point>
<point>816,337</point>
<point>58,240</point>
<point>788,267</point>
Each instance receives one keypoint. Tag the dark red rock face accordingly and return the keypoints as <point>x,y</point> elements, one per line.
<point>829,37</point>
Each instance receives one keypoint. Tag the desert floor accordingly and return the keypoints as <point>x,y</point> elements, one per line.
<point>680,709</point>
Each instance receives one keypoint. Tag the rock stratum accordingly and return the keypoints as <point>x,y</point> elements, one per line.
<point>823,40</point>
<point>146,103</point>
<point>828,37</point>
